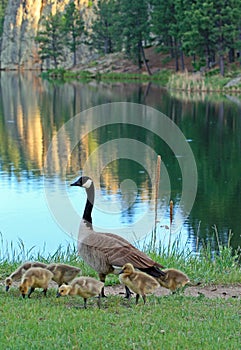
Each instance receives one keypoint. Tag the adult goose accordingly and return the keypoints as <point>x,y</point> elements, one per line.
<point>105,251</point>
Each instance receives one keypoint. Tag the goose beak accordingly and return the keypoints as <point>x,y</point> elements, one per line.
<point>74,184</point>
<point>7,288</point>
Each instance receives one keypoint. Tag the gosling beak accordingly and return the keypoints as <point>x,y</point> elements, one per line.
<point>23,295</point>
<point>120,272</point>
<point>58,295</point>
<point>7,288</point>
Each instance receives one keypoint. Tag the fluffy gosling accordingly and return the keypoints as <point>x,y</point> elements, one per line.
<point>139,282</point>
<point>86,287</point>
<point>35,277</point>
<point>173,280</point>
<point>63,273</point>
<point>18,273</point>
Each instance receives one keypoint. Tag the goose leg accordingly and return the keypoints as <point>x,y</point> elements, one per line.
<point>102,279</point>
<point>30,291</point>
<point>137,298</point>
<point>98,301</point>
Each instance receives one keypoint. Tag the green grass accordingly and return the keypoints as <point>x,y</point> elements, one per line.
<point>171,322</point>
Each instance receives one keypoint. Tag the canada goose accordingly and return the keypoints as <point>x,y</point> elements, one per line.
<point>104,251</point>
<point>139,282</point>
<point>17,274</point>
<point>173,279</point>
<point>86,287</point>
<point>63,273</point>
<point>35,277</point>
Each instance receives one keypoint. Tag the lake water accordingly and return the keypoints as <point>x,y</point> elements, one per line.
<point>51,133</point>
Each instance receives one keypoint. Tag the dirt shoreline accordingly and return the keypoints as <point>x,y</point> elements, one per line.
<point>210,291</point>
<point>207,291</point>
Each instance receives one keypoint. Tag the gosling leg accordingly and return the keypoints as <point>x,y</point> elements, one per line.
<point>85,303</point>
<point>128,293</point>
<point>144,298</point>
<point>45,292</point>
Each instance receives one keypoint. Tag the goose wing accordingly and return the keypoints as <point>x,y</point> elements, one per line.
<point>118,251</point>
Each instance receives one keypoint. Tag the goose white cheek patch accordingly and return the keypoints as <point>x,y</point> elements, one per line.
<point>87,184</point>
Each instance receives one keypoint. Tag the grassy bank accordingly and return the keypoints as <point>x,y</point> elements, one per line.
<point>172,322</point>
<point>192,82</point>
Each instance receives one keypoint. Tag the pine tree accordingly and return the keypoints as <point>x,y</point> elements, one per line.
<point>73,28</point>
<point>105,26</point>
<point>135,23</point>
<point>51,39</point>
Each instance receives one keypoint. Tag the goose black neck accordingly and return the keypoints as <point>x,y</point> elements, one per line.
<point>89,204</point>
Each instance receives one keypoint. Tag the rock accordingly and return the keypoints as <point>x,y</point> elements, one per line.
<point>234,82</point>
<point>21,22</point>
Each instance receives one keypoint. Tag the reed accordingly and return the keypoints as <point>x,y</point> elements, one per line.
<point>157,184</point>
<point>170,224</point>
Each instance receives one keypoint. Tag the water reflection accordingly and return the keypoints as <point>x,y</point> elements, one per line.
<point>32,111</point>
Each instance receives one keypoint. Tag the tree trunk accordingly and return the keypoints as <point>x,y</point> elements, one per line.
<point>74,52</point>
<point>176,55</point>
<point>182,59</point>
<point>221,64</point>
<point>231,55</point>
<point>144,59</point>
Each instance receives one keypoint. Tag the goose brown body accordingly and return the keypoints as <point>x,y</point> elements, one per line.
<point>105,251</point>
<point>85,287</point>
<point>63,273</point>
<point>173,279</point>
<point>18,273</point>
<point>35,277</point>
<point>139,282</point>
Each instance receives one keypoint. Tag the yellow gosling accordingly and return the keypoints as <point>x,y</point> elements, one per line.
<point>18,273</point>
<point>173,279</point>
<point>63,273</point>
<point>137,281</point>
<point>85,287</point>
<point>35,277</point>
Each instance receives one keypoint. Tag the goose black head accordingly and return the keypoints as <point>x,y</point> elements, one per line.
<point>83,181</point>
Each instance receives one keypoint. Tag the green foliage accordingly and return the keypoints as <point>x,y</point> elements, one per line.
<point>51,39</point>
<point>105,28</point>
<point>73,28</point>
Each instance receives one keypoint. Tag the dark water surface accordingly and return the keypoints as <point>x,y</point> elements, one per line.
<point>32,111</point>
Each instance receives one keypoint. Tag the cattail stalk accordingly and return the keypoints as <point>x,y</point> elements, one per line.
<point>170,228</point>
<point>157,183</point>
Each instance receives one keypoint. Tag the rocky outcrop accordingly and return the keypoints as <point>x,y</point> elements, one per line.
<point>21,22</point>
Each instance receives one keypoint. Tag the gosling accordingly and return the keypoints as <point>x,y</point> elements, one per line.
<point>139,282</point>
<point>63,273</point>
<point>35,277</point>
<point>173,279</point>
<point>18,273</point>
<point>86,287</point>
